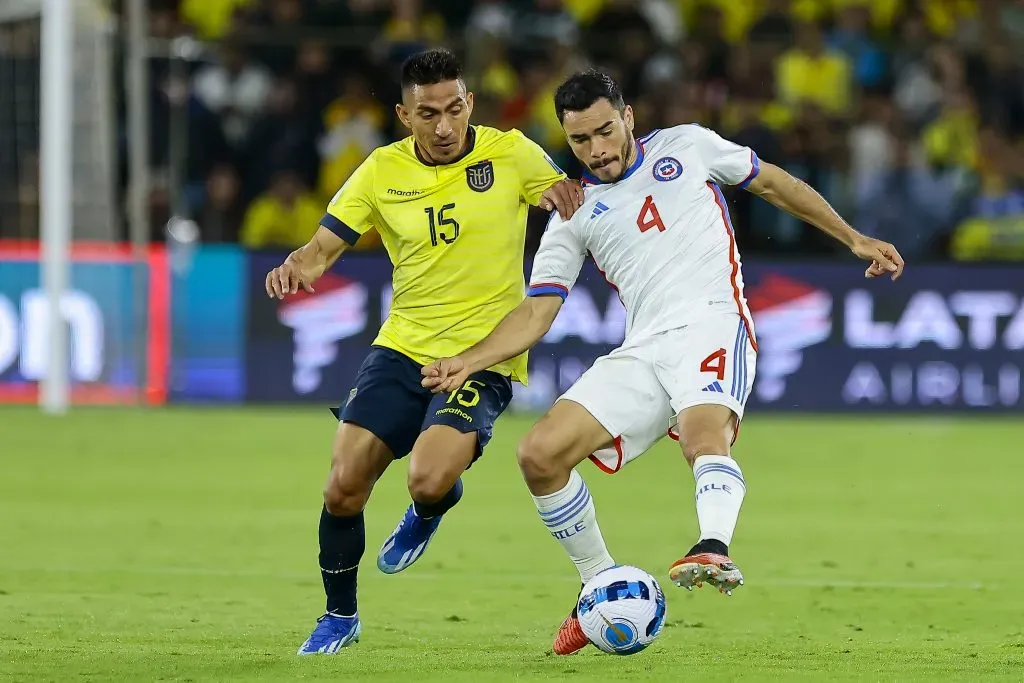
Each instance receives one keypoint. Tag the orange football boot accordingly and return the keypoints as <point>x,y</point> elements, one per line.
<point>570,638</point>
<point>699,568</point>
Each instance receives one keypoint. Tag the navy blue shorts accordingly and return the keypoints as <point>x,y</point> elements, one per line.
<point>389,401</point>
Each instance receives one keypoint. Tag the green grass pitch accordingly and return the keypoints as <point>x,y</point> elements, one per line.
<point>180,545</point>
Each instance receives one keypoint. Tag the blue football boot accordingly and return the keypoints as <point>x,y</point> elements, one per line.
<point>407,542</point>
<point>332,633</point>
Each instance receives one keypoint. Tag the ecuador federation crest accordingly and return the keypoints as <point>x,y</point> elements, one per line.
<point>480,177</point>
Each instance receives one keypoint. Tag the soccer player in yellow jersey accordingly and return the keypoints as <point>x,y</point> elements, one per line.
<point>450,204</point>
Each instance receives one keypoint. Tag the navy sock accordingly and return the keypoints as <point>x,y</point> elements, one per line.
<point>342,542</point>
<point>427,510</point>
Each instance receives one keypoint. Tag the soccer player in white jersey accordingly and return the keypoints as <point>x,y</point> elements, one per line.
<point>657,226</point>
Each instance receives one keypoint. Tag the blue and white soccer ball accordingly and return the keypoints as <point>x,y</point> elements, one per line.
<point>622,610</point>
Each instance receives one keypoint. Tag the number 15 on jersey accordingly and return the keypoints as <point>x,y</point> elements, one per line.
<point>441,225</point>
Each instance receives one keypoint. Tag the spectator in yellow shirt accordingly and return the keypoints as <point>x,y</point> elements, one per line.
<point>353,127</point>
<point>952,138</point>
<point>286,215</point>
<point>211,18</point>
<point>811,73</point>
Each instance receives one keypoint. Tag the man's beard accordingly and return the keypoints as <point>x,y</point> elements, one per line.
<point>626,151</point>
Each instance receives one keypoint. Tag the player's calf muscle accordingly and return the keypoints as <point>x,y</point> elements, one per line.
<point>704,444</point>
<point>706,430</point>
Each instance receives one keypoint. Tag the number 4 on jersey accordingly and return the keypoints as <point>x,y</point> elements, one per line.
<point>649,216</point>
<point>715,363</point>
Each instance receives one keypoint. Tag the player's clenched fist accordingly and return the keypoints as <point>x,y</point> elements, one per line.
<point>286,279</point>
<point>444,375</point>
<point>883,256</point>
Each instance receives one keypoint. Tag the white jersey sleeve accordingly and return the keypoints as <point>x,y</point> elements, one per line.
<point>559,259</point>
<point>727,162</point>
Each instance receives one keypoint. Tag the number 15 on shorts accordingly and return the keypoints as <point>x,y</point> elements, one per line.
<point>468,395</point>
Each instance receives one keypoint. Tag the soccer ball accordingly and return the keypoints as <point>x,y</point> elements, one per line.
<point>622,610</point>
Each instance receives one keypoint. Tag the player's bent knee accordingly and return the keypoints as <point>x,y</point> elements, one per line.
<point>438,459</point>
<point>430,487</point>
<point>540,457</point>
<point>345,496</point>
<point>706,430</point>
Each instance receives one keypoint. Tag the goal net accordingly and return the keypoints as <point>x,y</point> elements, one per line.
<point>93,119</point>
<point>96,311</point>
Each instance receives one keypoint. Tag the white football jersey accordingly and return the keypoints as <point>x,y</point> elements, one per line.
<point>661,235</point>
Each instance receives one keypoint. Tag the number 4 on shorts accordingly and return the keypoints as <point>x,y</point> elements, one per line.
<point>715,363</point>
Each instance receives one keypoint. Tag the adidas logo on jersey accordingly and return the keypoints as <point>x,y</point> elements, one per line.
<point>598,210</point>
<point>714,386</point>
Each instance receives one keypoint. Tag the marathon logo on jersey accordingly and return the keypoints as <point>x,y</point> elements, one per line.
<point>790,316</point>
<point>336,311</point>
<point>666,169</point>
<point>480,177</point>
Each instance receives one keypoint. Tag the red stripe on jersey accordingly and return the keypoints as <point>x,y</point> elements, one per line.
<point>727,224</point>
<point>617,443</point>
<point>610,283</point>
<point>534,285</point>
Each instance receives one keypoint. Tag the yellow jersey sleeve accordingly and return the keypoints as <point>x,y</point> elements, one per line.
<point>537,172</point>
<point>350,214</point>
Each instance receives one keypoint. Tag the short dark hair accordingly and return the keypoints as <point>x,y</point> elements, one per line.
<point>431,66</point>
<point>583,89</point>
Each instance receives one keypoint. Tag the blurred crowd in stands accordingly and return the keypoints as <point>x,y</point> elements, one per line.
<point>907,115</point>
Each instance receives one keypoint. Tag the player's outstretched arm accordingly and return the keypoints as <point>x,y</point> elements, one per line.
<point>517,332</point>
<point>304,265</point>
<point>801,200</point>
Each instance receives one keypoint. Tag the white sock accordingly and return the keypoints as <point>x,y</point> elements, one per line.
<point>570,517</point>
<point>720,491</point>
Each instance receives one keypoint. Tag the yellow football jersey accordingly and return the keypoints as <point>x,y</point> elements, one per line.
<point>455,234</point>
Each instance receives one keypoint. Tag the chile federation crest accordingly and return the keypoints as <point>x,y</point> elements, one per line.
<point>666,169</point>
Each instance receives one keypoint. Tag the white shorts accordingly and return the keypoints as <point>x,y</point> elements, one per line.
<point>638,390</point>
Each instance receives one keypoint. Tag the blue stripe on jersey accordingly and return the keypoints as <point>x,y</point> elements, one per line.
<point>338,227</point>
<point>736,386</point>
<point>647,138</point>
<point>743,359</point>
<point>542,288</point>
<point>755,168</point>
<point>725,207</point>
